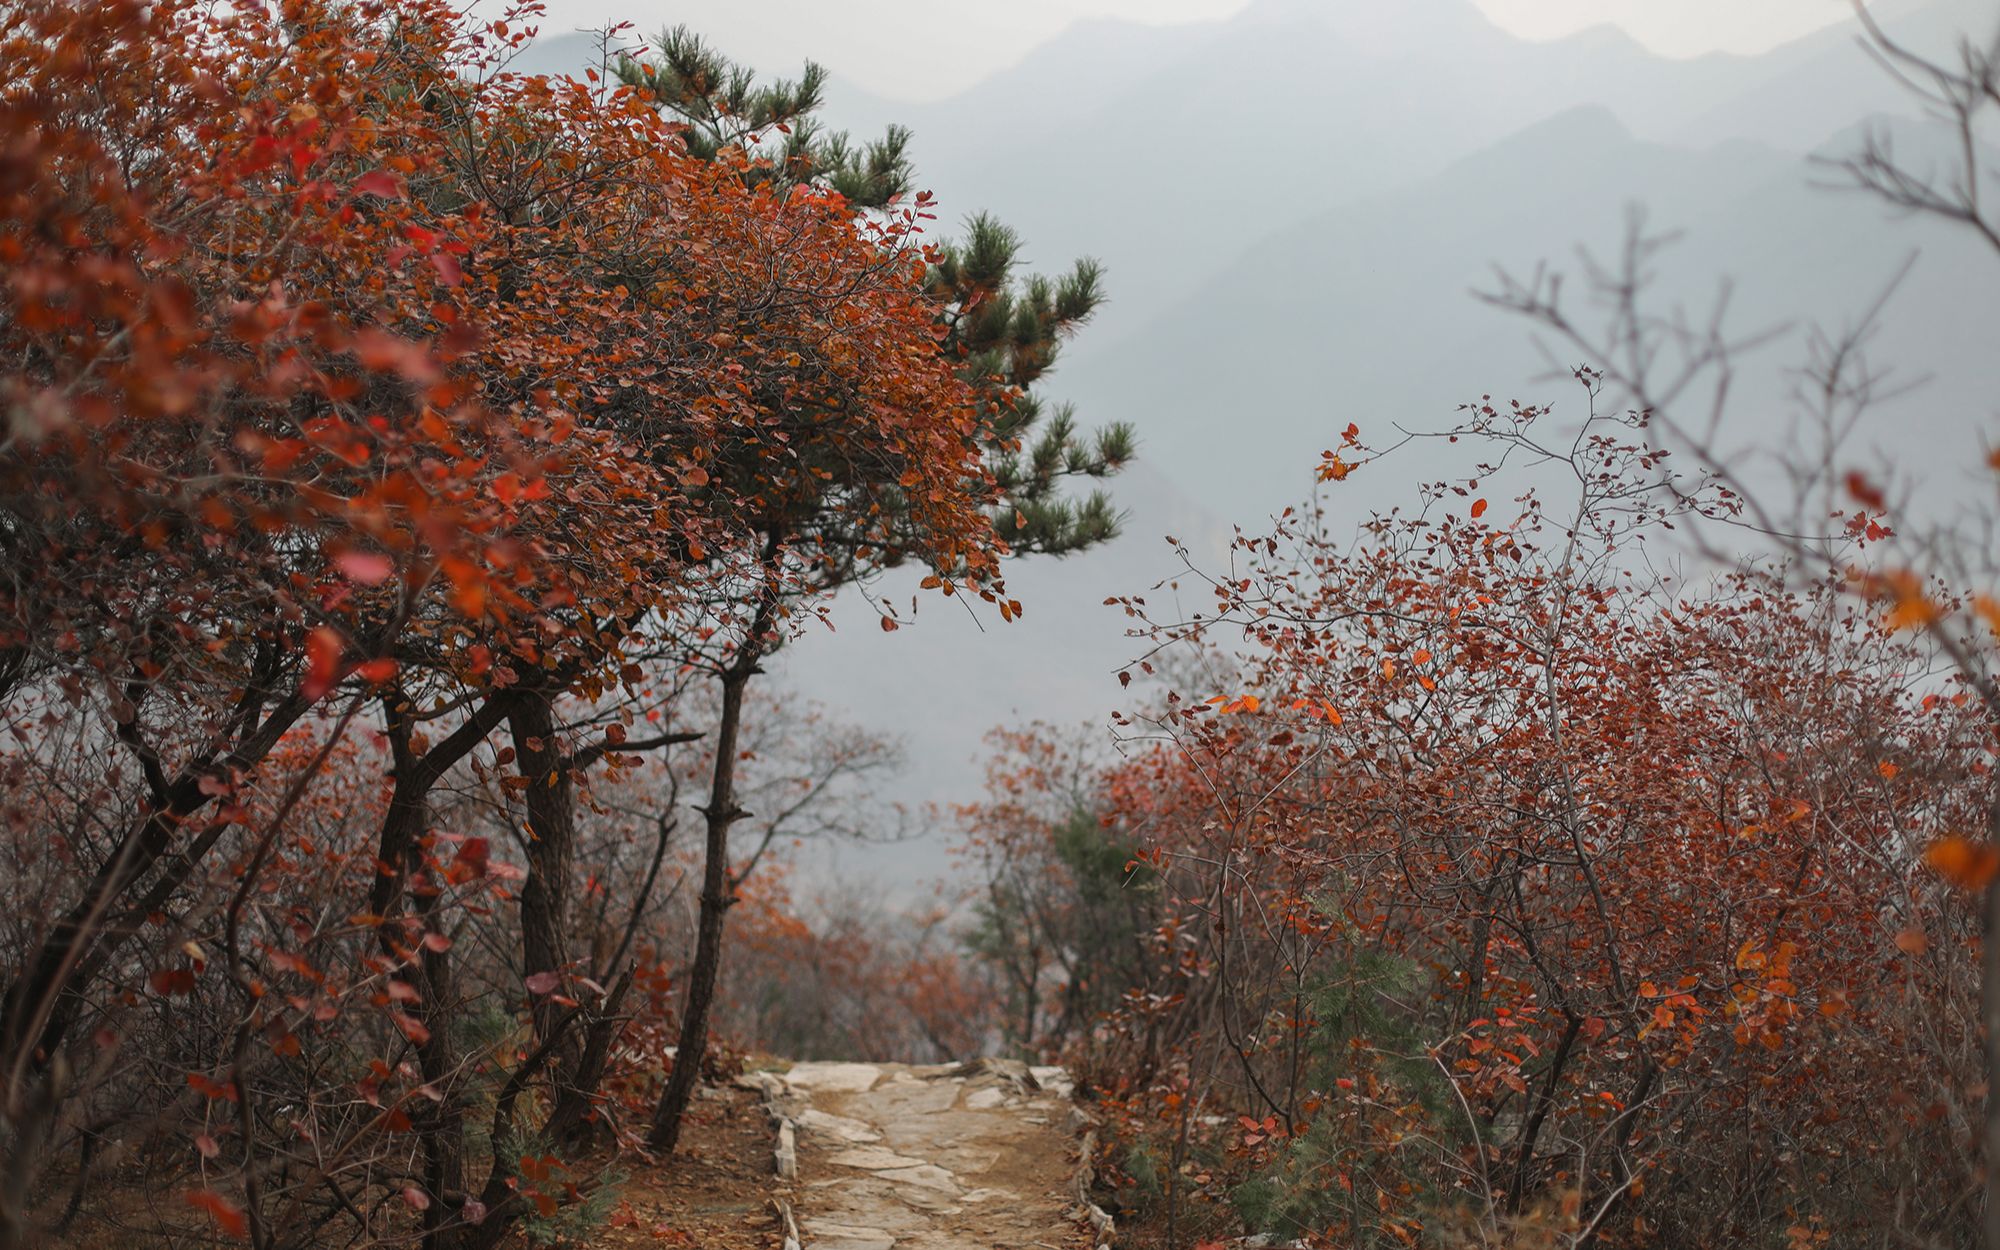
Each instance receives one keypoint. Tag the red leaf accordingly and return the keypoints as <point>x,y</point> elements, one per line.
<point>412,1027</point>
<point>379,182</point>
<point>543,982</point>
<point>470,863</point>
<point>225,1213</point>
<point>447,268</point>
<point>169,981</point>
<point>323,652</point>
<point>366,567</point>
<point>382,352</point>
<point>1865,492</point>
<point>1478,508</point>
<point>221,1091</point>
<point>377,671</point>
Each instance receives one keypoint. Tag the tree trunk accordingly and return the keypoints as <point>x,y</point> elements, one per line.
<point>551,801</point>
<point>716,891</point>
<point>439,1126</point>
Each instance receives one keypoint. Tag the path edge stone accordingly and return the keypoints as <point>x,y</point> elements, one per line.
<point>1104,1230</point>
<point>785,1149</point>
<point>791,1226</point>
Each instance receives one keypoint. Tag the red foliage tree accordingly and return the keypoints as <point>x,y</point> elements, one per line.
<point>1505,877</point>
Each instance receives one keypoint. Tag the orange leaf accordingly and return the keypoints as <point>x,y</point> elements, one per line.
<point>1913,612</point>
<point>1988,609</point>
<point>377,671</point>
<point>1478,508</point>
<point>1964,863</point>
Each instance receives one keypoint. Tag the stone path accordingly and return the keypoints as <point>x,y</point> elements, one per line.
<point>979,1156</point>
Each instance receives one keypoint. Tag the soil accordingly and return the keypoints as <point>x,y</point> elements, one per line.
<point>715,1194</point>
<point>717,1191</point>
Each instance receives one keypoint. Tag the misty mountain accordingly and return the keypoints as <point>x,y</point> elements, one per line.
<point>1796,91</point>
<point>1365,313</point>
<point>955,671</point>
<point>1164,152</point>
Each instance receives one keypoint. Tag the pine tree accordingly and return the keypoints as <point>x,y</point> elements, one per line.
<point>721,106</point>
<point>1003,327</point>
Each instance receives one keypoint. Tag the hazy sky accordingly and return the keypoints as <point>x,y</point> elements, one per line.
<point>915,49</point>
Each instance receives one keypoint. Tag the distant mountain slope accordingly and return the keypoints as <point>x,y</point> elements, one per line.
<point>942,682</point>
<point>1364,313</point>
<point>1805,90</point>
<point>1165,151</point>
<point>567,52</point>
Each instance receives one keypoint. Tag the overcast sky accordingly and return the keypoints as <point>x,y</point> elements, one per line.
<point>919,49</point>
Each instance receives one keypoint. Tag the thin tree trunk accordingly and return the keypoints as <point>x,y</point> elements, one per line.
<point>440,1125</point>
<point>716,890</point>
<point>1545,1098</point>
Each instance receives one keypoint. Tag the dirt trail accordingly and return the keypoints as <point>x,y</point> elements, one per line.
<point>971,1157</point>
